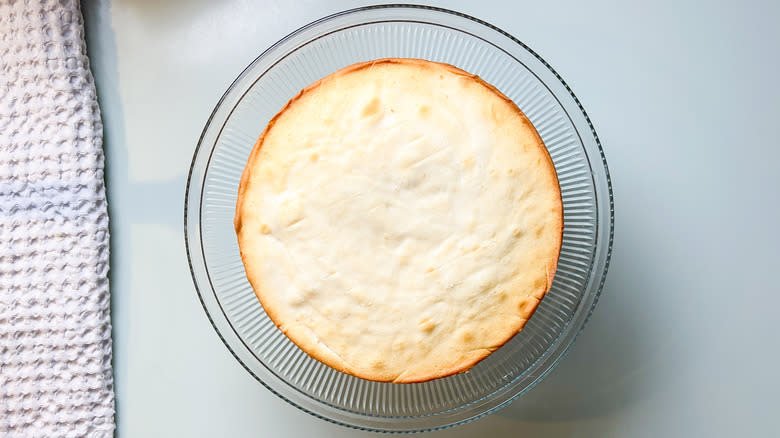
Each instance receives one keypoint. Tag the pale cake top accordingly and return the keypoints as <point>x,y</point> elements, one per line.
<point>399,220</point>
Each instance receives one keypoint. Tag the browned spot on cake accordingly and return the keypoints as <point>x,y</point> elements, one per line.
<point>425,110</point>
<point>468,163</point>
<point>314,157</point>
<point>372,108</point>
<point>265,229</point>
<point>526,305</point>
<point>467,336</point>
<point>427,325</point>
<point>540,283</point>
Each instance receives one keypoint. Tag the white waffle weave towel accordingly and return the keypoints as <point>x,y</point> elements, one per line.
<point>55,330</point>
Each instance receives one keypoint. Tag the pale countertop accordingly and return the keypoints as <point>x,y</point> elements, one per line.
<point>685,99</point>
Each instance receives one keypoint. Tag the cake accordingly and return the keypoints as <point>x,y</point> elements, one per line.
<point>399,220</point>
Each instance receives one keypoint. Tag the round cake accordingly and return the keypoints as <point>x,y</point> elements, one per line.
<point>399,220</point>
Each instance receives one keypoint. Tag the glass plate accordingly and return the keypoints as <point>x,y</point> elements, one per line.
<point>315,51</point>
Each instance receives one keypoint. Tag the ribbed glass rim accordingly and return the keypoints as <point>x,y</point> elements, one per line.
<point>196,259</point>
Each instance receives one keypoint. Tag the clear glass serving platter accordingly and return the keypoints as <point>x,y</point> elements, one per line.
<point>315,51</point>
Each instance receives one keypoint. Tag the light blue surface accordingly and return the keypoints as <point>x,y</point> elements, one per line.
<point>686,101</point>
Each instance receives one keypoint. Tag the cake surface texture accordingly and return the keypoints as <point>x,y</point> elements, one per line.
<point>399,220</point>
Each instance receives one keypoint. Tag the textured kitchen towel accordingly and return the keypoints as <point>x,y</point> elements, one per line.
<point>55,331</point>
